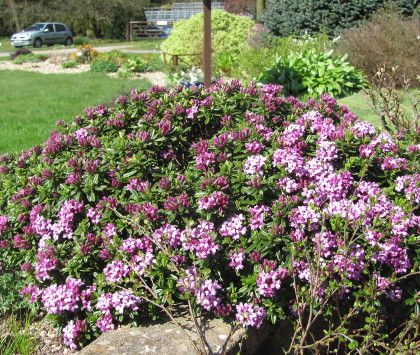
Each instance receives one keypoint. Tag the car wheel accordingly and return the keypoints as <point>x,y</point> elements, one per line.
<point>37,42</point>
<point>68,42</point>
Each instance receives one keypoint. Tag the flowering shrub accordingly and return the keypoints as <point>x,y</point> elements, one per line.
<point>84,54</point>
<point>251,206</point>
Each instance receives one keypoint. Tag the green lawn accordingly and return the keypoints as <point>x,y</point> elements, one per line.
<point>357,104</point>
<point>31,102</point>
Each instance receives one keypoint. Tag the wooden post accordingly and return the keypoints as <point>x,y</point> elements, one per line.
<point>127,32</point>
<point>207,43</point>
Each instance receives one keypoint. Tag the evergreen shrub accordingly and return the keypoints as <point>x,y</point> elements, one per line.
<point>251,205</point>
<point>297,17</point>
<point>229,33</point>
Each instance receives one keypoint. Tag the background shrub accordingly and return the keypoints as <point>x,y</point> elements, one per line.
<point>297,17</point>
<point>229,34</point>
<point>313,73</point>
<point>104,67</point>
<point>249,204</point>
<point>388,40</point>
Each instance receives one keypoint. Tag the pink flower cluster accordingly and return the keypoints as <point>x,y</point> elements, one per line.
<point>250,315</point>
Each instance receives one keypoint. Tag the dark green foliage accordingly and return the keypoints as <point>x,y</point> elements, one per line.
<point>285,76</point>
<point>104,67</point>
<point>295,17</point>
<point>404,7</point>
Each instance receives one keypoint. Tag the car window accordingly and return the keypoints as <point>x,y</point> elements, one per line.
<point>35,27</point>
<point>60,28</point>
<point>49,27</point>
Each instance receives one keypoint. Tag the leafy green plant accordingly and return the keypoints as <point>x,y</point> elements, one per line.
<point>229,34</point>
<point>286,76</point>
<point>262,52</point>
<point>237,201</point>
<point>30,58</point>
<point>115,56</point>
<point>226,62</point>
<point>134,65</point>
<point>67,65</point>
<point>104,67</point>
<point>314,73</point>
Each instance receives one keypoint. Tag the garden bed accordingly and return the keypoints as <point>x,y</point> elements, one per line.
<point>53,66</point>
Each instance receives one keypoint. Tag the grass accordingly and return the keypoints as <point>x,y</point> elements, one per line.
<point>14,335</point>
<point>357,104</point>
<point>31,102</point>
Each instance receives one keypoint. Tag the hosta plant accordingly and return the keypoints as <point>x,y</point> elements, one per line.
<point>319,72</point>
<point>246,204</point>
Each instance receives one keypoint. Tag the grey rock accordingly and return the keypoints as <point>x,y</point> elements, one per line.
<point>165,337</point>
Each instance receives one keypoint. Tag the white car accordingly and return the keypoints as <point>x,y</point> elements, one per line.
<point>40,33</point>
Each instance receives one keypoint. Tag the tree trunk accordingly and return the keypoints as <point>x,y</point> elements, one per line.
<point>260,9</point>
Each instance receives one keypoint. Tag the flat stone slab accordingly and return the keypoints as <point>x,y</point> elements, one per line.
<point>165,337</point>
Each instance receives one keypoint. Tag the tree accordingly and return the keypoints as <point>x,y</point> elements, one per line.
<point>105,18</point>
<point>241,7</point>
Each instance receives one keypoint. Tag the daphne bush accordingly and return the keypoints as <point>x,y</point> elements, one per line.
<point>253,206</point>
<point>229,34</point>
